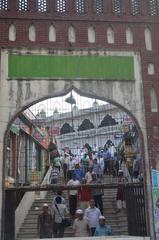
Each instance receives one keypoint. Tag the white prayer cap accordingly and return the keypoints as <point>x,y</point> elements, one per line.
<point>102,217</point>
<point>79,211</point>
<point>45,205</point>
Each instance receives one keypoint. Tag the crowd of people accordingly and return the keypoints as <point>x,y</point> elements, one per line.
<point>86,223</point>
<point>103,161</point>
<point>85,206</point>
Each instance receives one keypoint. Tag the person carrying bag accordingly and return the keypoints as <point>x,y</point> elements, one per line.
<point>65,221</point>
<point>59,211</point>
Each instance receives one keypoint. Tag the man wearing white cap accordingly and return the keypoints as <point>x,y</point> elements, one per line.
<point>80,225</point>
<point>45,222</point>
<point>102,229</point>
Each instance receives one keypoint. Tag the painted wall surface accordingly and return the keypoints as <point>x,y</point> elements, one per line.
<point>15,95</point>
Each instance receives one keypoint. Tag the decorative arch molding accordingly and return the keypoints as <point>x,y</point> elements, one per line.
<point>32,33</point>
<point>148,39</point>
<point>129,36</point>
<point>71,34</point>
<point>153,100</point>
<point>91,34</point>
<point>110,35</point>
<point>12,33</point>
<point>52,33</point>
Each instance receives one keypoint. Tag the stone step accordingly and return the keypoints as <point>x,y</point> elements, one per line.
<point>67,234</point>
<point>105,202</point>
<point>109,220</point>
<point>34,231</point>
<point>38,209</point>
<point>117,221</point>
<point>109,213</point>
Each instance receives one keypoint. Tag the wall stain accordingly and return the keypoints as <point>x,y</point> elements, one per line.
<point>28,91</point>
<point>11,95</point>
<point>19,94</point>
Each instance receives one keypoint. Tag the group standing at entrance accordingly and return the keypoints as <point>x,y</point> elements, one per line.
<point>86,223</point>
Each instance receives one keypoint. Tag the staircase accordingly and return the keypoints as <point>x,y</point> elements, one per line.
<point>118,221</point>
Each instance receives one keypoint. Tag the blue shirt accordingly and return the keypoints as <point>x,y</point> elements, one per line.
<point>79,174</point>
<point>103,231</point>
<point>97,169</point>
<point>106,155</point>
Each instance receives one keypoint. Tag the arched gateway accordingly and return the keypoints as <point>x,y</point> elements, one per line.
<point>119,71</point>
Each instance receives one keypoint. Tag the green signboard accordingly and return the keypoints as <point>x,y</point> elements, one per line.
<point>71,67</point>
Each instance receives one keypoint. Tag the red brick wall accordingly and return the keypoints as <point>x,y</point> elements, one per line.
<point>81,22</point>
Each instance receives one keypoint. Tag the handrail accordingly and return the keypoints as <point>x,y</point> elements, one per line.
<point>56,187</point>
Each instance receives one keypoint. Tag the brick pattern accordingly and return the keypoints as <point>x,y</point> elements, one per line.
<point>101,15</point>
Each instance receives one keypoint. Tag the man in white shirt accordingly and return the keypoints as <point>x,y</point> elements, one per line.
<point>80,225</point>
<point>73,195</point>
<point>92,214</point>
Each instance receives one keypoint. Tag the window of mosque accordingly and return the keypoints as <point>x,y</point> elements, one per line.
<point>153,100</point>
<point>129,36</point>
<point>23,5</point>
<point>135,7</point>
<point>117,6</point>
<point>3,4</point>
<point>99,6</point>
<point>91,35</point>
<point>80,6</point>
<point>32,33</point>
<point>42,5</point>
<point>156,132</point>
<point>71,35</point>
<point>110,36</point>
<point>66,128</point>
<point>61,6</point>
<point>12,33</point>
<point>85,125</point>
<point>151,69</point>
<point>52,34</point>
<point>148,39</point>
<point>154,7</point>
